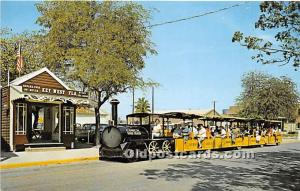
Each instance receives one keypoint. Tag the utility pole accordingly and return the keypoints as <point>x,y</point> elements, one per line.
<point>214,101</point>
<point>152,99</point>
<point>132,100</point>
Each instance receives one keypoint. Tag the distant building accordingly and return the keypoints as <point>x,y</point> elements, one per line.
<point>292,126</point>
<point>232,111</point>
<point>87,115</point>
<point>298,116</point>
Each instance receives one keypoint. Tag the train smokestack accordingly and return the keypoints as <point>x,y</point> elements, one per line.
<point>114,110</point>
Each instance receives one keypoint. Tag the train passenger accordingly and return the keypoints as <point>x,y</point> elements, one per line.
<point>208,132</point>
<point>270,131</point>
<point>223,132</point>
<point>235,133</point>
<point>186,132</point>
<point>246,132</point>
<point>201,135</point>
<point>251,132</point>
<point>219,130</point>
<point>190,126</point>
<point>216,131</point>
<point>278,130</point>
<point>195,131</point>
<point>177,132</point>
<point>263,132</point>
<point>257,135</point>
<point>228,133</point>
<point>157,129</point>
<point>212,130</point>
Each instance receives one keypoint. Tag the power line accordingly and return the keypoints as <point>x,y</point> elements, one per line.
<point>196,16</point>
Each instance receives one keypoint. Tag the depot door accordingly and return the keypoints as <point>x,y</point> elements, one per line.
<point>68,125</point>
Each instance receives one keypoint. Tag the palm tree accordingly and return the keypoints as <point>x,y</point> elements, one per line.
<point>142,106</point>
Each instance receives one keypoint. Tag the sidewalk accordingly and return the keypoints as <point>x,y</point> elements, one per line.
<point>25,159</point>
<point>290,139</point>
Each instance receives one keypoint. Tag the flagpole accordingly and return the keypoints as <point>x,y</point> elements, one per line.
<point>19,61</point>
<point>20,56</point>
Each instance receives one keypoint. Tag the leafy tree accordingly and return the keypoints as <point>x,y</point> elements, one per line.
<point>268,97</point>
<point>142,106</point>
<point>101,45</point>
<point>30,45</point>
<point>283,18</point>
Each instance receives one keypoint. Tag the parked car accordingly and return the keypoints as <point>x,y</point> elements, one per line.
<point>88,130</point>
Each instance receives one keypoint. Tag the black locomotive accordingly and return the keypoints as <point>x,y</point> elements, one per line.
<point>121,141</point>
<point>117,140</point>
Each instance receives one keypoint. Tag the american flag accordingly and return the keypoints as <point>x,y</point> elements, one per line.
<point>20,62</point>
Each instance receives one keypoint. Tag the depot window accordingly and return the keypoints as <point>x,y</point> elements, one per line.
<point>21,125</point>
<point>68,113</point>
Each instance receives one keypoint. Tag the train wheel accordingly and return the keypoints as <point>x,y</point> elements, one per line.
<point>152,147</point>
<point>166,146</point>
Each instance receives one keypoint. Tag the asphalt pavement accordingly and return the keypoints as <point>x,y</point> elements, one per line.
<point>271,168</point>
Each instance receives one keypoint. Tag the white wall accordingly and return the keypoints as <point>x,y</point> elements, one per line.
<point>82,119</point>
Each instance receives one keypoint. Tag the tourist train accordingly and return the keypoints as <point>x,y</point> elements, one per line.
<point>177,132</point>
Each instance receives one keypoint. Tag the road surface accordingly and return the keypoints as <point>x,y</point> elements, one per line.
<point>273,168</point>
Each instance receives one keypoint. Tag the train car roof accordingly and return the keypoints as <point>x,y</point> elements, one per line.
<point>181,115</point>
<point>273,121</point>
<point>143,114</point>
<point>226,118</point>
<point>175,115</point>
<point>239,119</point>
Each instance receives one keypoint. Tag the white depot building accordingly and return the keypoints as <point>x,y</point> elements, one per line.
<point>87,115</point>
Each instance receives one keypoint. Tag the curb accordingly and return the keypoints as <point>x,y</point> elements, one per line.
<point>46,163</point>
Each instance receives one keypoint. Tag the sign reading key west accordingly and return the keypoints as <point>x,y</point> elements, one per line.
<point>53,91</point>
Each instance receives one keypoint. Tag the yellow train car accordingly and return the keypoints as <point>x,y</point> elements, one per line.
<point>192,144</point>
<point>214,143</point>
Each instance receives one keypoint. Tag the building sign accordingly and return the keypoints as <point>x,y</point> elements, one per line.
<point>53,91</point>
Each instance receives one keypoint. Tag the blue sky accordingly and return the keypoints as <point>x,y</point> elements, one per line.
<point>196,61</point>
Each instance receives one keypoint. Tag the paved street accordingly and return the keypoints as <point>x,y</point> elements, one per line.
<point>273,168</point>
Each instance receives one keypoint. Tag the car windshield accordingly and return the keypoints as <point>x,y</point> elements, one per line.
<point>93,127</point>
<point>86,126</point>
<point>102,126</point>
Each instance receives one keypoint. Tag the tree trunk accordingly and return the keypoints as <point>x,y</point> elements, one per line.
<point>97,116</point>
